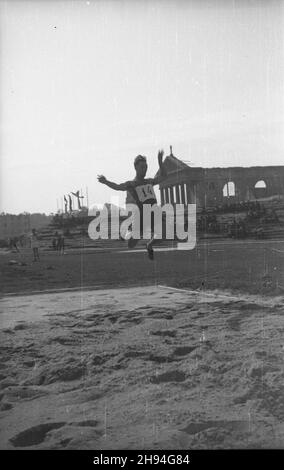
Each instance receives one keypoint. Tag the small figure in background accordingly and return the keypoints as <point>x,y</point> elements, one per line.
<point>65,205</point>
<point>13,244</point>
<point>35,244</point>
<point>61,243</point>
<point>55,241</point>
<point>70,203</point>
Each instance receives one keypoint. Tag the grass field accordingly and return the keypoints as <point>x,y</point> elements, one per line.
<point>246,266</point>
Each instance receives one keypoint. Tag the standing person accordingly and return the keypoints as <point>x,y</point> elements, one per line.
<point>13,244</point>
<point>55,241</point>
<point>61,243</point>
<point>35,244</point>
<point>140,191</point>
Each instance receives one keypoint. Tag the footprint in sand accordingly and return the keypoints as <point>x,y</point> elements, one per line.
<point>160,359</point>
<point>88,423</point>
<point>5,406</point>
<point>37,434</point>
<point>171,333</point>
<point>34,435</point>
<point>230,426</point>
<point>170,376</point>
<point>100,359</point>
<point>160,315</point>
<point>21,326</point>
<point>48,375</point>
<point>135,320</point>
<point>184,350</point>
<point>24,393</point>
<point>112,318</point>
<point>133,353</point>
<point>65,340</point>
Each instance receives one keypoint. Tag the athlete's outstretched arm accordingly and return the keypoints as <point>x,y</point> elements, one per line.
<point>118,187</point>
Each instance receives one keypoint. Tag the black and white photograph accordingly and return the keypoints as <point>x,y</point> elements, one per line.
<point>141,226</point>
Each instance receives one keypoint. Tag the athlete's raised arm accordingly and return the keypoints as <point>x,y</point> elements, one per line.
<point>163,172</point>
<point>118,187</point>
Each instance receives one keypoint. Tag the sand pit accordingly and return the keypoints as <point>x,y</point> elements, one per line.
<point>137,368</point>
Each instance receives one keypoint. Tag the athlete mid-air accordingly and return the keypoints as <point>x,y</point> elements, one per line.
<point>140,191</point>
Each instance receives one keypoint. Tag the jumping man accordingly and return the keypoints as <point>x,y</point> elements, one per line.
<point>140,191</point>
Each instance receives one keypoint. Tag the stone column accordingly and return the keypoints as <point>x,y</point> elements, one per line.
<point>189,197</point>
<point>182,194</point>
<point>162,196</point>
<point>172,199</point>
<point>167,195</point>
<point>177,193</point>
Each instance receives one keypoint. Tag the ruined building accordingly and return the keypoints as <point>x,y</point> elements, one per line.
<point>212,187</point>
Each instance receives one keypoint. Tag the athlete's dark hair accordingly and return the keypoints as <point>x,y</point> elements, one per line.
<point>139,158</point>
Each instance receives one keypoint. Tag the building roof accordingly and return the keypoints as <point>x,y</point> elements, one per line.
<point>173,164</point>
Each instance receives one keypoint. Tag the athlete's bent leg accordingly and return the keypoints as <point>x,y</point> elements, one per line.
<point>132,242</point>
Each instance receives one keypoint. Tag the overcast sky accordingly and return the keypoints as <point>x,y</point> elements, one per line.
<point>87,85</point>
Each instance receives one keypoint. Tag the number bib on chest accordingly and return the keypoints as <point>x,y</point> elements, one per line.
<point>145,192</point>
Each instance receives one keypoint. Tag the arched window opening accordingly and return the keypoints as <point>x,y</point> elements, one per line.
<point>260,184</point>
<point>229,189</point>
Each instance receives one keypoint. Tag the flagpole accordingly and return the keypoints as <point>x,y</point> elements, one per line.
<point>87,194</point>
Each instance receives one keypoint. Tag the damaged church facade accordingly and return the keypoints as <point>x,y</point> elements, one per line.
<point>213,187</point>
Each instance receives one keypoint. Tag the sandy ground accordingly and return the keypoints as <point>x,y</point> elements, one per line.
<point>135,368</point>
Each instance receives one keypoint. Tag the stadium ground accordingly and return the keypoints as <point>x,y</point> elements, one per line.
<point>246,266</point>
